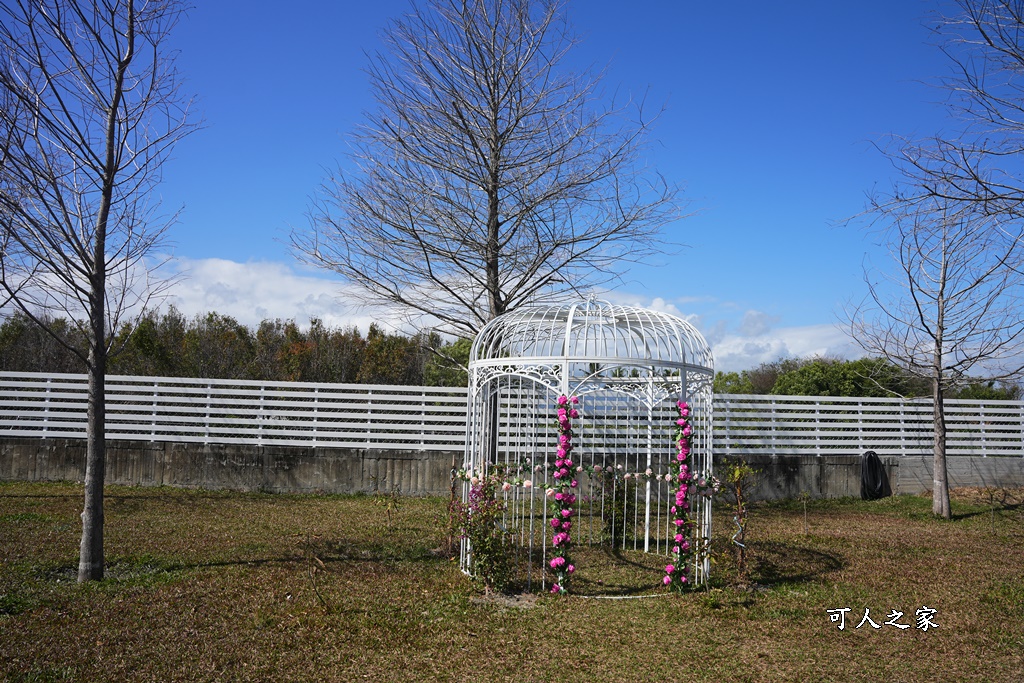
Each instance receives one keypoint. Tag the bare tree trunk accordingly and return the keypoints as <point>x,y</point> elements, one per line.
<point>91,558</point>
<point>940,482</point>
<point>90,561</point>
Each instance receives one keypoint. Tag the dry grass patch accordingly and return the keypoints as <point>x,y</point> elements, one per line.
<point>216,586</point>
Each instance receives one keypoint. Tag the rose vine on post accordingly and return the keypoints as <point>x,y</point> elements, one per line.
<point>676,572</point>
<point>563,496</point>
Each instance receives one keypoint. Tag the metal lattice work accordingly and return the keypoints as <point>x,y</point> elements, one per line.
<point>628,366</point>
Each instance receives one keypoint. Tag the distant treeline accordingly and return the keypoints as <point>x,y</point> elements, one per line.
<point>834,377</point>
<point>215,346</point>
<point>168,344</point>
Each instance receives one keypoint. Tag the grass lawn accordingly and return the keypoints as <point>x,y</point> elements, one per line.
<point>216,586</point>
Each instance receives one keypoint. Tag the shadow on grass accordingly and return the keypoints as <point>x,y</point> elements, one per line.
<point>998,508</point>
<point>777,563</point>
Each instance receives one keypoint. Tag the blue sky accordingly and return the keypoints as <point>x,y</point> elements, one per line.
<point>772,113</point>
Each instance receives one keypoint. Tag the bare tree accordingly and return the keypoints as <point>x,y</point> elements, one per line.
<point>487,177</point>
<point>951,307</point>
<point>980,162</point>
<point>91,112</point>
<point>961,191</point>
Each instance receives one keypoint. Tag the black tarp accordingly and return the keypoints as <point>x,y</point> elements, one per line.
<point>874,483</point>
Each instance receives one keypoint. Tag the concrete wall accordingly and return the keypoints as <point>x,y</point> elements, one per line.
<point>836,476</point>
<point>788,476</point>
<point>276,469</point>
<point>283,469</point>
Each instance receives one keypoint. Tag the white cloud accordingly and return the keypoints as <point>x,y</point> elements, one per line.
<point>757,323</point>
<point>743,341</point>
<point>255,291</point>
<point>735,352</point>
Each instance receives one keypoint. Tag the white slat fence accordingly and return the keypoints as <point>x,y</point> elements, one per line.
<point>814,425</point>
<point>433,418</point>
<point>238,411</point>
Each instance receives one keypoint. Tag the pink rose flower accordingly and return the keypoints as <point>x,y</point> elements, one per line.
<point>555,522</point>
<point>550,493</point>
<point>562,400</point>
<point>570,569</point>
<point>505,486</point>
<point>669,568</point>
<point>667,580</point>
<point>574,483</point>
<point>575,400</point>
<point>574,413</point>
<point>527,484</point>
<point>679,538</point>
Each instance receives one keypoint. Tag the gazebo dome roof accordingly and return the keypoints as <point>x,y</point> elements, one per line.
<point>591,331</point>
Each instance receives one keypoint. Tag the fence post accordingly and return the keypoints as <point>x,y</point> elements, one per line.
<point>423,417</point>
<point>903,426</point>
<point>206,418</point>
<point>984,444</point>
<point>316,412</point>
<point>817,428</point>
<point>46,408</point>
<point>860,425</point>
<point>152,424</point>
<point>369,415</point>
<point>260,417</point>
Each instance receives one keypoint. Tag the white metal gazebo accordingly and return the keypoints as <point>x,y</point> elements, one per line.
<point>628,366</point>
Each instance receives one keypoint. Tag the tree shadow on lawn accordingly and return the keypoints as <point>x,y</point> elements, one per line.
<point>775,563</point>
<point>131,569</point>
